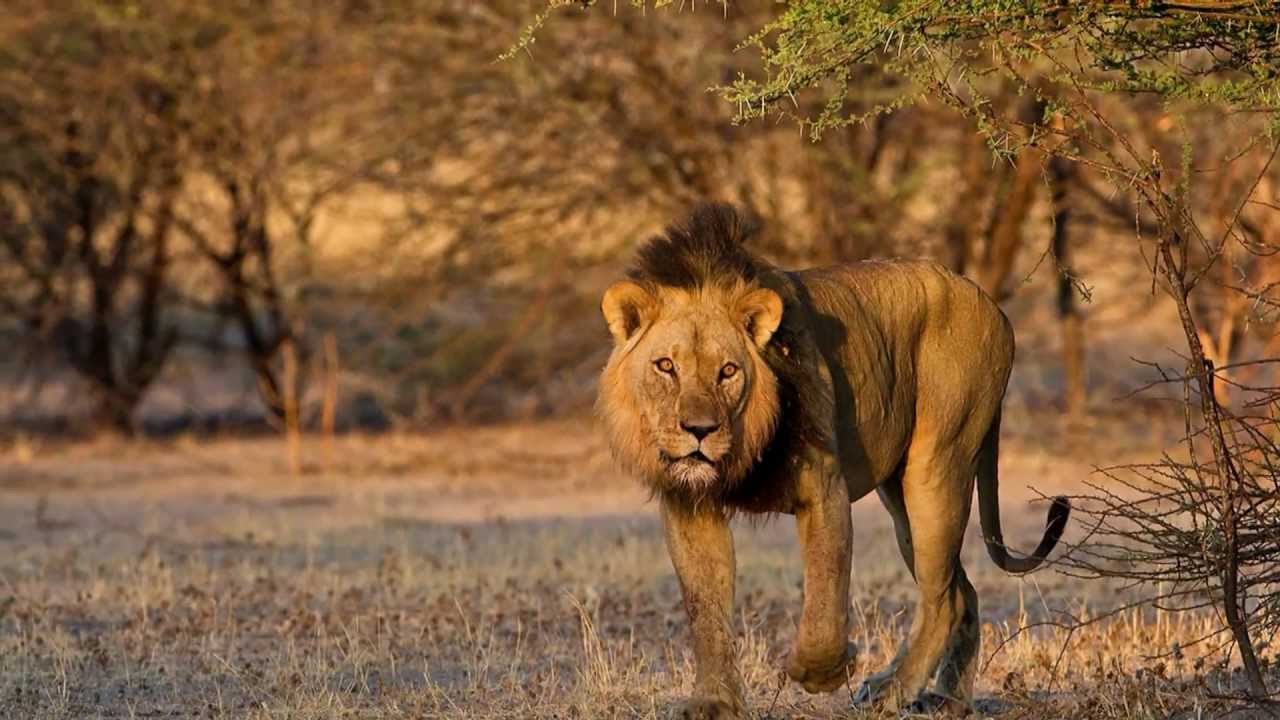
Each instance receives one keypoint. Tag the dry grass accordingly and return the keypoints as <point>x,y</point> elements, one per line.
<point>497,573</point>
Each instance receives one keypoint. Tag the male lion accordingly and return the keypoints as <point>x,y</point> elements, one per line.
<point>735,386</point>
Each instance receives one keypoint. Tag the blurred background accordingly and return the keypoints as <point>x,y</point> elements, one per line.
<point>240,216</point>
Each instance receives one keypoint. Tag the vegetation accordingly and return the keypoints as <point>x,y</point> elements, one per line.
<point>390,196</point>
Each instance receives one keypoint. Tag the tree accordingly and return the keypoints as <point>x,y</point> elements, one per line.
<point>265,173</point>
<point>88,183</point>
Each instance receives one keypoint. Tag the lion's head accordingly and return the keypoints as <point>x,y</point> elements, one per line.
<point>688,398</point>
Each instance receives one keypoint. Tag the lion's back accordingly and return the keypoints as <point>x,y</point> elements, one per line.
<point>916,302</point>
<point>916,339</point>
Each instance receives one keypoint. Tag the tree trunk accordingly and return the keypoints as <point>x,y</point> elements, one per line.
<point>329,407</point>
<point>1005,235</point>
<point>1222,310</point>
<point>498,360</point>
<point>961,232</point>
<point>1006,230</point>
<point>1201,370</point>
<point>113,411</point>
<point>1075,389</point>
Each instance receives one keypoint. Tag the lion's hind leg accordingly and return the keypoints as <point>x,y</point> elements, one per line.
<point>956,671</point>
<point>890,492</point>
<point>959,664</point>
<point>937,488</point>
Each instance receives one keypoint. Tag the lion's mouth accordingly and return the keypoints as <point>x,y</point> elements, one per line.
<point>694,469</point>
<point>694,457</point>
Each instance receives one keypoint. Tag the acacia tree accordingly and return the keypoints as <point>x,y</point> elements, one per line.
<point>276,99</point>
<point>138,137</point>
<point>167,165</point>
<point>88,181</point>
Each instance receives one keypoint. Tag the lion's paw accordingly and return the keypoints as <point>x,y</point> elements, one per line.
<point>932,704</point>
<point>824,675</point>
<point>876,693</point>
<point>707,709</point>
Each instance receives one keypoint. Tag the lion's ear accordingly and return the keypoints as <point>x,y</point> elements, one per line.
<point>762,313</point>
<point>625,307</point>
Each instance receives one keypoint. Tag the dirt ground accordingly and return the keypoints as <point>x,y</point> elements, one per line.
<point>485,573</point>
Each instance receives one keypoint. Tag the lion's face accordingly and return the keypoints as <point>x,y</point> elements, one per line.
<point>688,400</point>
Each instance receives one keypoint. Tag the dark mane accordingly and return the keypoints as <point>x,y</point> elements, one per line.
<point>806,401</point>
<point>706,248</point>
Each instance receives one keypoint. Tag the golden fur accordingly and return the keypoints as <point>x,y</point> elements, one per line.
<point>735,386</point>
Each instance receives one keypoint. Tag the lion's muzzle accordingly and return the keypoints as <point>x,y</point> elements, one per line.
<point>700,427</point>
<point>693,470</point>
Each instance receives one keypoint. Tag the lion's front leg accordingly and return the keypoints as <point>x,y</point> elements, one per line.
<point>701,548</point>
<point>823,655</point>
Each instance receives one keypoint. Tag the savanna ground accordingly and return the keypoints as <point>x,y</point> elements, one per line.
<point>501,572</point>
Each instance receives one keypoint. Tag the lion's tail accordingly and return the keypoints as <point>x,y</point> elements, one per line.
<point>989,510</point>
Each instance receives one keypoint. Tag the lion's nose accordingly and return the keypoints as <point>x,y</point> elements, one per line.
<point>700,428</point>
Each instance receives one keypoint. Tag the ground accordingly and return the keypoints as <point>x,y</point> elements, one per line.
<point>481,573</point>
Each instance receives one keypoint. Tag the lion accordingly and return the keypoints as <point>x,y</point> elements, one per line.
<point>736,387</point>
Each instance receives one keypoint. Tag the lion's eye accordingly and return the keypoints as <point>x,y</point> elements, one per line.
<point>665,365</point>
<point>728,371</point>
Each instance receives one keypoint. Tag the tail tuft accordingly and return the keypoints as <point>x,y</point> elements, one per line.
<point>989,511</point>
